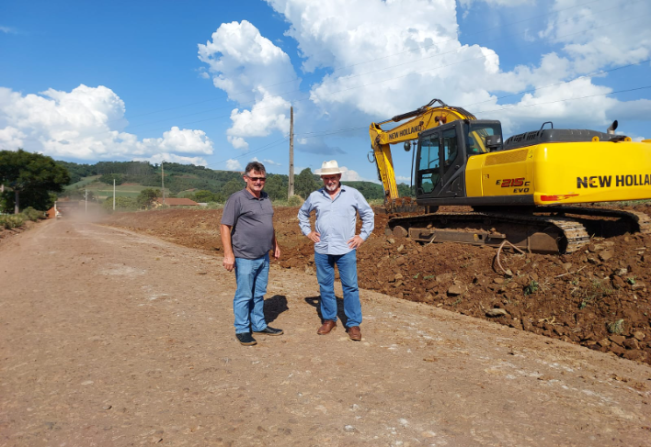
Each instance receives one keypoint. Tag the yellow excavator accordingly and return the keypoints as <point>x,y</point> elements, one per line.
<point>519,189</point>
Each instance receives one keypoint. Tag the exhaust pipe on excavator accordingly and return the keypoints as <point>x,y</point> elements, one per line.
<point>613,126</point>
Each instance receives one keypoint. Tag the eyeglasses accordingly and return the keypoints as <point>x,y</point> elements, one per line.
<point>258,179</point>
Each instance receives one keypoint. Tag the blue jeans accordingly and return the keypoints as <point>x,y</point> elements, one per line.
<point>325,274</point>
<point>251,276</point>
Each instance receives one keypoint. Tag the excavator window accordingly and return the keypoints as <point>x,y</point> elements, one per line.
<point>450,147</point>
<point>428,164</point>
<point>477,134</point>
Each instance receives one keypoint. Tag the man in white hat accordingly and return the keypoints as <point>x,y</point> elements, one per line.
<point>335,242</point>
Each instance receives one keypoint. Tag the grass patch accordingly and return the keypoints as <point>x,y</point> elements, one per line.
<point>531,288</point>
<point>83,182</point>
<point>9,221</point>
<point>595,293</point>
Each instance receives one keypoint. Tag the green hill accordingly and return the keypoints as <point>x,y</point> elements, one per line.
<point>196,182</point>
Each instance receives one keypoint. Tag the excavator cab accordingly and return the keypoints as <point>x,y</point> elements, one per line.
<point>443,152</point>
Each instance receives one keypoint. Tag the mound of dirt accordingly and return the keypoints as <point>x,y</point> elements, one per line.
<point>597,297</point>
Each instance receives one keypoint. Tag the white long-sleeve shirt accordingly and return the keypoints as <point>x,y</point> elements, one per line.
<point>336,219</point>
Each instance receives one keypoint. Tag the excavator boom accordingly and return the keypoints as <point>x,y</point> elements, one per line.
<point>423,118</point>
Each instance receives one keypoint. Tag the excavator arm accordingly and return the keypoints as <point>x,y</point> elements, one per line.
<point>423,118</point>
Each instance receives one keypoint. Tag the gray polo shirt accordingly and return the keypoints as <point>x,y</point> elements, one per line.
<point>252,221</point>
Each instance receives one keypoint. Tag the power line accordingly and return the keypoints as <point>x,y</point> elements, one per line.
<point>335,69</point>
<point>248,154</point>
<point>348,129</point>
<point>314,135</point>
<point>609,24</point>
<point>516,106</point>
<point>590,75</point>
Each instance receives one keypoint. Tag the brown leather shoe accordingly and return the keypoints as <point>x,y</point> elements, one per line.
<point>328,325</point>
<point>354,333</point>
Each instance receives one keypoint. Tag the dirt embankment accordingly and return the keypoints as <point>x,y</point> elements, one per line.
<point>597,297</point>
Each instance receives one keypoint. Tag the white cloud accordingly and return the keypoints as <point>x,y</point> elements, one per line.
<point>241,60</point>
<point>87,123</point>
<point>233,165</point>
<point>238,143</point>
<point>186,141</point>
<point>467,3</point>
<point>376,75</point>
<point>600,35</point>
<point>344,34</point>
<point>251,70</point>
<point>587,105</point>
<point>10,137</point>
<point>173,158</point>
<point>8,30</point>
<point>268,114</point>
<point>271,162</point>
<point>350,176</point>
<point>632,110</point>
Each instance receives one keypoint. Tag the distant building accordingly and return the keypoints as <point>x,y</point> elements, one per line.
<point>172,202</point>
<point>52,213</point>
<point>63,206</point>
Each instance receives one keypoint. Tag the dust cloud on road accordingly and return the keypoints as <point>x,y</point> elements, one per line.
<point>111,338</point>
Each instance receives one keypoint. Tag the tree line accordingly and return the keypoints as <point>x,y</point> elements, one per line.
<point>30,179</point>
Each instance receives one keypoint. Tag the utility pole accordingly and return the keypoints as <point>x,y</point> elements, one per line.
<point>85,200</point>
<point>113,194</point>
<point>290,189</point>
<point>162,177</point>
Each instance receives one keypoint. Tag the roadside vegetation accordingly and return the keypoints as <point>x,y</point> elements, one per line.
<point>10,221</point>
<point>29,180</point>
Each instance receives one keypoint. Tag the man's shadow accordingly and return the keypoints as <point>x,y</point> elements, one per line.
<point>274,306</point>
<point>315,301</point>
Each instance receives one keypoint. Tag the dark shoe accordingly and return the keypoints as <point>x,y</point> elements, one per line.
<point>354,333</point>
<point>269,331</point>
<point>246,339</point>
<point>328,325</point>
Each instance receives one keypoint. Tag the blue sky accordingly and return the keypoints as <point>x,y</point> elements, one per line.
<point>211,83</point>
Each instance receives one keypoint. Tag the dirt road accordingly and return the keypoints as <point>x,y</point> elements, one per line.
<point>111,338</point>
<point>597,297</point>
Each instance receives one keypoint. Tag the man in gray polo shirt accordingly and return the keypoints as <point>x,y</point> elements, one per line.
<point>247,236</point>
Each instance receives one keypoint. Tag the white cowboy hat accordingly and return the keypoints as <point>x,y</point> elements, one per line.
<point>329,168</point>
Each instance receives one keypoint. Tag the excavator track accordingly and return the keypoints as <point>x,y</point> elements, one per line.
<point>639,222</point>
<point>540,234</point>
<point>552,229</point>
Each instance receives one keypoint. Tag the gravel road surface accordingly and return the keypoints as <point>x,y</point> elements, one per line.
<point>112,338</point>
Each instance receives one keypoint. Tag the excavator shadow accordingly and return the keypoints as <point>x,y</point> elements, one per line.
<point>315,301</point>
